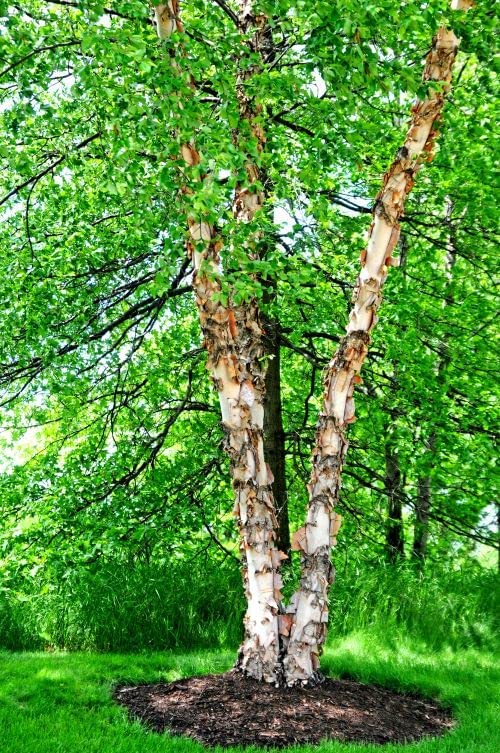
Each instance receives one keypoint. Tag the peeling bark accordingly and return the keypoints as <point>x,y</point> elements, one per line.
<point>274,435</point>
<point>286,647</point>
<point>255,658</point>
<point>310,603</point>
<point>461,4</point>
<point>233,339</point>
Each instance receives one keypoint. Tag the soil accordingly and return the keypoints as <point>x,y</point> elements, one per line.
<point>229,710</point>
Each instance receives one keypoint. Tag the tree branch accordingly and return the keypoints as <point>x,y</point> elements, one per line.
<point>42,173</point>
<point>31,54</point>
<point>293,126</point>
<point>107,11</point>
<point>229,13</point>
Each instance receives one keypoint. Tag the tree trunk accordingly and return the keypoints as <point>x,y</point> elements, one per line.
<point>395,529</point>
<point>424,488</point>
<point>290,644</point>
<point>233,339</point>
<point>395,532</point>
<point>421,527</point>
<point>498,534</point>
<point>310,603</point>
<point>274,435</point>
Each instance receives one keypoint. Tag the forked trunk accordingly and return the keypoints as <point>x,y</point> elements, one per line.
<point>288,646</point>
<point>310,603</point>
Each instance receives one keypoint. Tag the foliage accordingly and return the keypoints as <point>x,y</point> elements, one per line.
<point>119,606</point>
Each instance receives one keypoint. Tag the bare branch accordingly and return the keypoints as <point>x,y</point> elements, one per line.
<point>229,13</point>
<point>107,11</point>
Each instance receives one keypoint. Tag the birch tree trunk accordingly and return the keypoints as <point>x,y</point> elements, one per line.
<point>233,339</point>
<point>310,603</point>
<point>259,658</point>
<point>287,647</point>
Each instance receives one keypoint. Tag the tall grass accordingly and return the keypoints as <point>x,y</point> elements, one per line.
<point>126,607</point>
<point>117,606</point>
<point>440,607</point>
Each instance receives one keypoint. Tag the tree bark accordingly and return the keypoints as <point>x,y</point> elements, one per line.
<point>274,435</point>
<point>287,646</point>
<point>421,526</point>
<point>424,484</point>
<point>310,603</point>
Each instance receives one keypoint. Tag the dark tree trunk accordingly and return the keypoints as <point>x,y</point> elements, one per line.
<point>274,435</point>
<point>498,532</point>
<point>395,529</point>
<point>424,490</point>
<point>421,529</point>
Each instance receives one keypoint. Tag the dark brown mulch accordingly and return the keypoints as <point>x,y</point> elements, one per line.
<point>231,710</point>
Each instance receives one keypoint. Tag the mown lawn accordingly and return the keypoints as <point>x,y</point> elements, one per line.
<point>61,702</point>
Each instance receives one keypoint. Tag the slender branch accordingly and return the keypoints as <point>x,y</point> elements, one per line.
<point>229,13</point>
<point>209,529</point>
<point>107,11</point>
<point>293,126</point>
<point>336,198</point>
<point>31,54</point>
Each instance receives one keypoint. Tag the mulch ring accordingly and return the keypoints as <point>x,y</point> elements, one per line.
<point>231,710</point>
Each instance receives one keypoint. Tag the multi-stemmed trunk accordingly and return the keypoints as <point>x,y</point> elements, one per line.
<point>286,647</point>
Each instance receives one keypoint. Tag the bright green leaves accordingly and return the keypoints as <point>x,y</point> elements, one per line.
<point>91,332</point>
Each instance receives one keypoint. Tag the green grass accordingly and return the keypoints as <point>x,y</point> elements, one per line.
<point>61,702</point>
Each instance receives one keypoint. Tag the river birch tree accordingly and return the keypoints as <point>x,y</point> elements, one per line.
<point>286,645</point>
<point>155,151</point>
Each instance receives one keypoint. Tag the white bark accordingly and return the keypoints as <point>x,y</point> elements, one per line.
<point>166,19</point>
<point>233,341</point>
<point>462,4</point>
